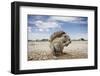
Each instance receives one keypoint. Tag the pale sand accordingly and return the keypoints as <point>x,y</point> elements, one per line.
<point>41,51</point>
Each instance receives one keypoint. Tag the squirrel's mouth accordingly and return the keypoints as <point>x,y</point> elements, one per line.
<point>67,43</point>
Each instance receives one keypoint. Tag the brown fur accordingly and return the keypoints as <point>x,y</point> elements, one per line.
<point>56,34</point>
<point>58,41</point>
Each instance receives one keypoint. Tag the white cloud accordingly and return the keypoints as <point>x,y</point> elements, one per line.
<point>29,29</point>
<point>79,22</point>
<point>30,22</point>
<point>40,30</point>
<point>64,18</point>
<point>67,19</point>
<point>46,25</point>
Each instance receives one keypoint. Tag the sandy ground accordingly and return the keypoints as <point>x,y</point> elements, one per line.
<point>41,51</point>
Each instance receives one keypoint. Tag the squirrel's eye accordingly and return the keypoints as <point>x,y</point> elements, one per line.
<point>65,36</point>
<point>64,41</point>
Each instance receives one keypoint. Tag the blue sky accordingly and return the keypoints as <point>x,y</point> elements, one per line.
<point>42,26</point>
